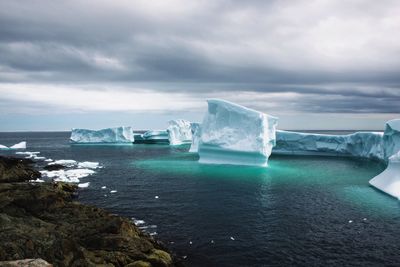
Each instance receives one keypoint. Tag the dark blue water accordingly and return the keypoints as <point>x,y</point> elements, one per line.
<point>303,211</point>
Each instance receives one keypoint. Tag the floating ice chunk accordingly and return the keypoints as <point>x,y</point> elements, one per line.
<point>233,134</point>
<point>103,187</point>
<point>360,144</point>
<point>65,162</point>
<point>138,222</point>
<point>110,135</point>
<point>212,242</point>
<point>113,191</point>
<point>37,181</point>
<point>83,185</point>
<point>20,145</point>
<point>190,242</point>
<point>89,165</point>
<point>179,132</point>
<point>156,136</point>
<point>39,158</point>
<point>232,238</point>
<point>156,197</point>
<point>350,221</point>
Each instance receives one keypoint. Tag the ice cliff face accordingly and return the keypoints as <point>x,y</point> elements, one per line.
<point>110,135</point>
<point>233,134</point>
<point>196,131</point>
<point>391,138</point>
<point>360,144</point>
<point>389,180</point>
<point>179,132</point>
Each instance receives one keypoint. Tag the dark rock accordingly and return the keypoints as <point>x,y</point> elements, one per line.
<point>54,167</point>
<point>43,221</point>
<point>26,263</point>
<point>16,170</point>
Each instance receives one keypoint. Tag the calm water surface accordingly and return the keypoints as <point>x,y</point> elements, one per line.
<point>304,211</point>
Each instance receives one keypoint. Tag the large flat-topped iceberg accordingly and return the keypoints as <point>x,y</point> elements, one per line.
<point>360,144</point>
<point>179,132</point>
<point>233,134</point>
<point>118,135</point>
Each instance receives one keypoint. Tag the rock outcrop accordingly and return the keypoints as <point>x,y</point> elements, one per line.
<point>43,221</point>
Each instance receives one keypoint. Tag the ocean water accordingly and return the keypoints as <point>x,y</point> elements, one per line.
<point>300,211</point>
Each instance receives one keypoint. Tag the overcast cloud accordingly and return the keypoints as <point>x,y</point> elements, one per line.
<point>281,57</point>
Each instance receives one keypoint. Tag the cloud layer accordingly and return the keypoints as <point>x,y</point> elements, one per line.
<point>278,56</point>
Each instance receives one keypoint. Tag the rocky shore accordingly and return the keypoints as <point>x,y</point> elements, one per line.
<point>42,221</point>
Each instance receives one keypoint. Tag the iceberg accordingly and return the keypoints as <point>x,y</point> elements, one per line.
<point>389,180</point>
<point>118,135</point>
<point>156,136</point>
<point>20,145</point>
<point>179,132</point>
<point>359,144</point>
<point>233,134</point>
<point>391,138</point>
<point>2,147</point>
<point>196,131</point>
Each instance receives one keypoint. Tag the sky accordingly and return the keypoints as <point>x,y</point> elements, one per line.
<point>315,64</point>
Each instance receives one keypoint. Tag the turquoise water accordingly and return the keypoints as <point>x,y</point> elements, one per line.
<point>302,211</point>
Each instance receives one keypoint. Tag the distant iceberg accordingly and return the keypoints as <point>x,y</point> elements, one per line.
<point>179,132</point>
<point>360,144</point>
<point>118,135</point>
<point>156,136</point>
<point>233,134</point>
<point>20,145</point>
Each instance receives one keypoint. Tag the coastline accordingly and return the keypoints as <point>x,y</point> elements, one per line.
<point>42,220</point>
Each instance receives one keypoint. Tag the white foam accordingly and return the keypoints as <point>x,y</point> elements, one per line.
<point>113,191</point>
<point>138,222</point>
<point>48,160</point>
<point>69,176</point>
<point>3,147</point>
<point>65,162</point>
<point>37,181</point>
<point>84,185</point>
<point>103,187</point>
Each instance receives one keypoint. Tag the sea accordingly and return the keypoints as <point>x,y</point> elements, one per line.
<point>300,211</point>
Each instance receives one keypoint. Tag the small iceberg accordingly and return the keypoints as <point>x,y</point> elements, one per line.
<point>179,132</point>
<point>20,145</point>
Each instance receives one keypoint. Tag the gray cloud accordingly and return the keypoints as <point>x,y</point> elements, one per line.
<point>335,57</point>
